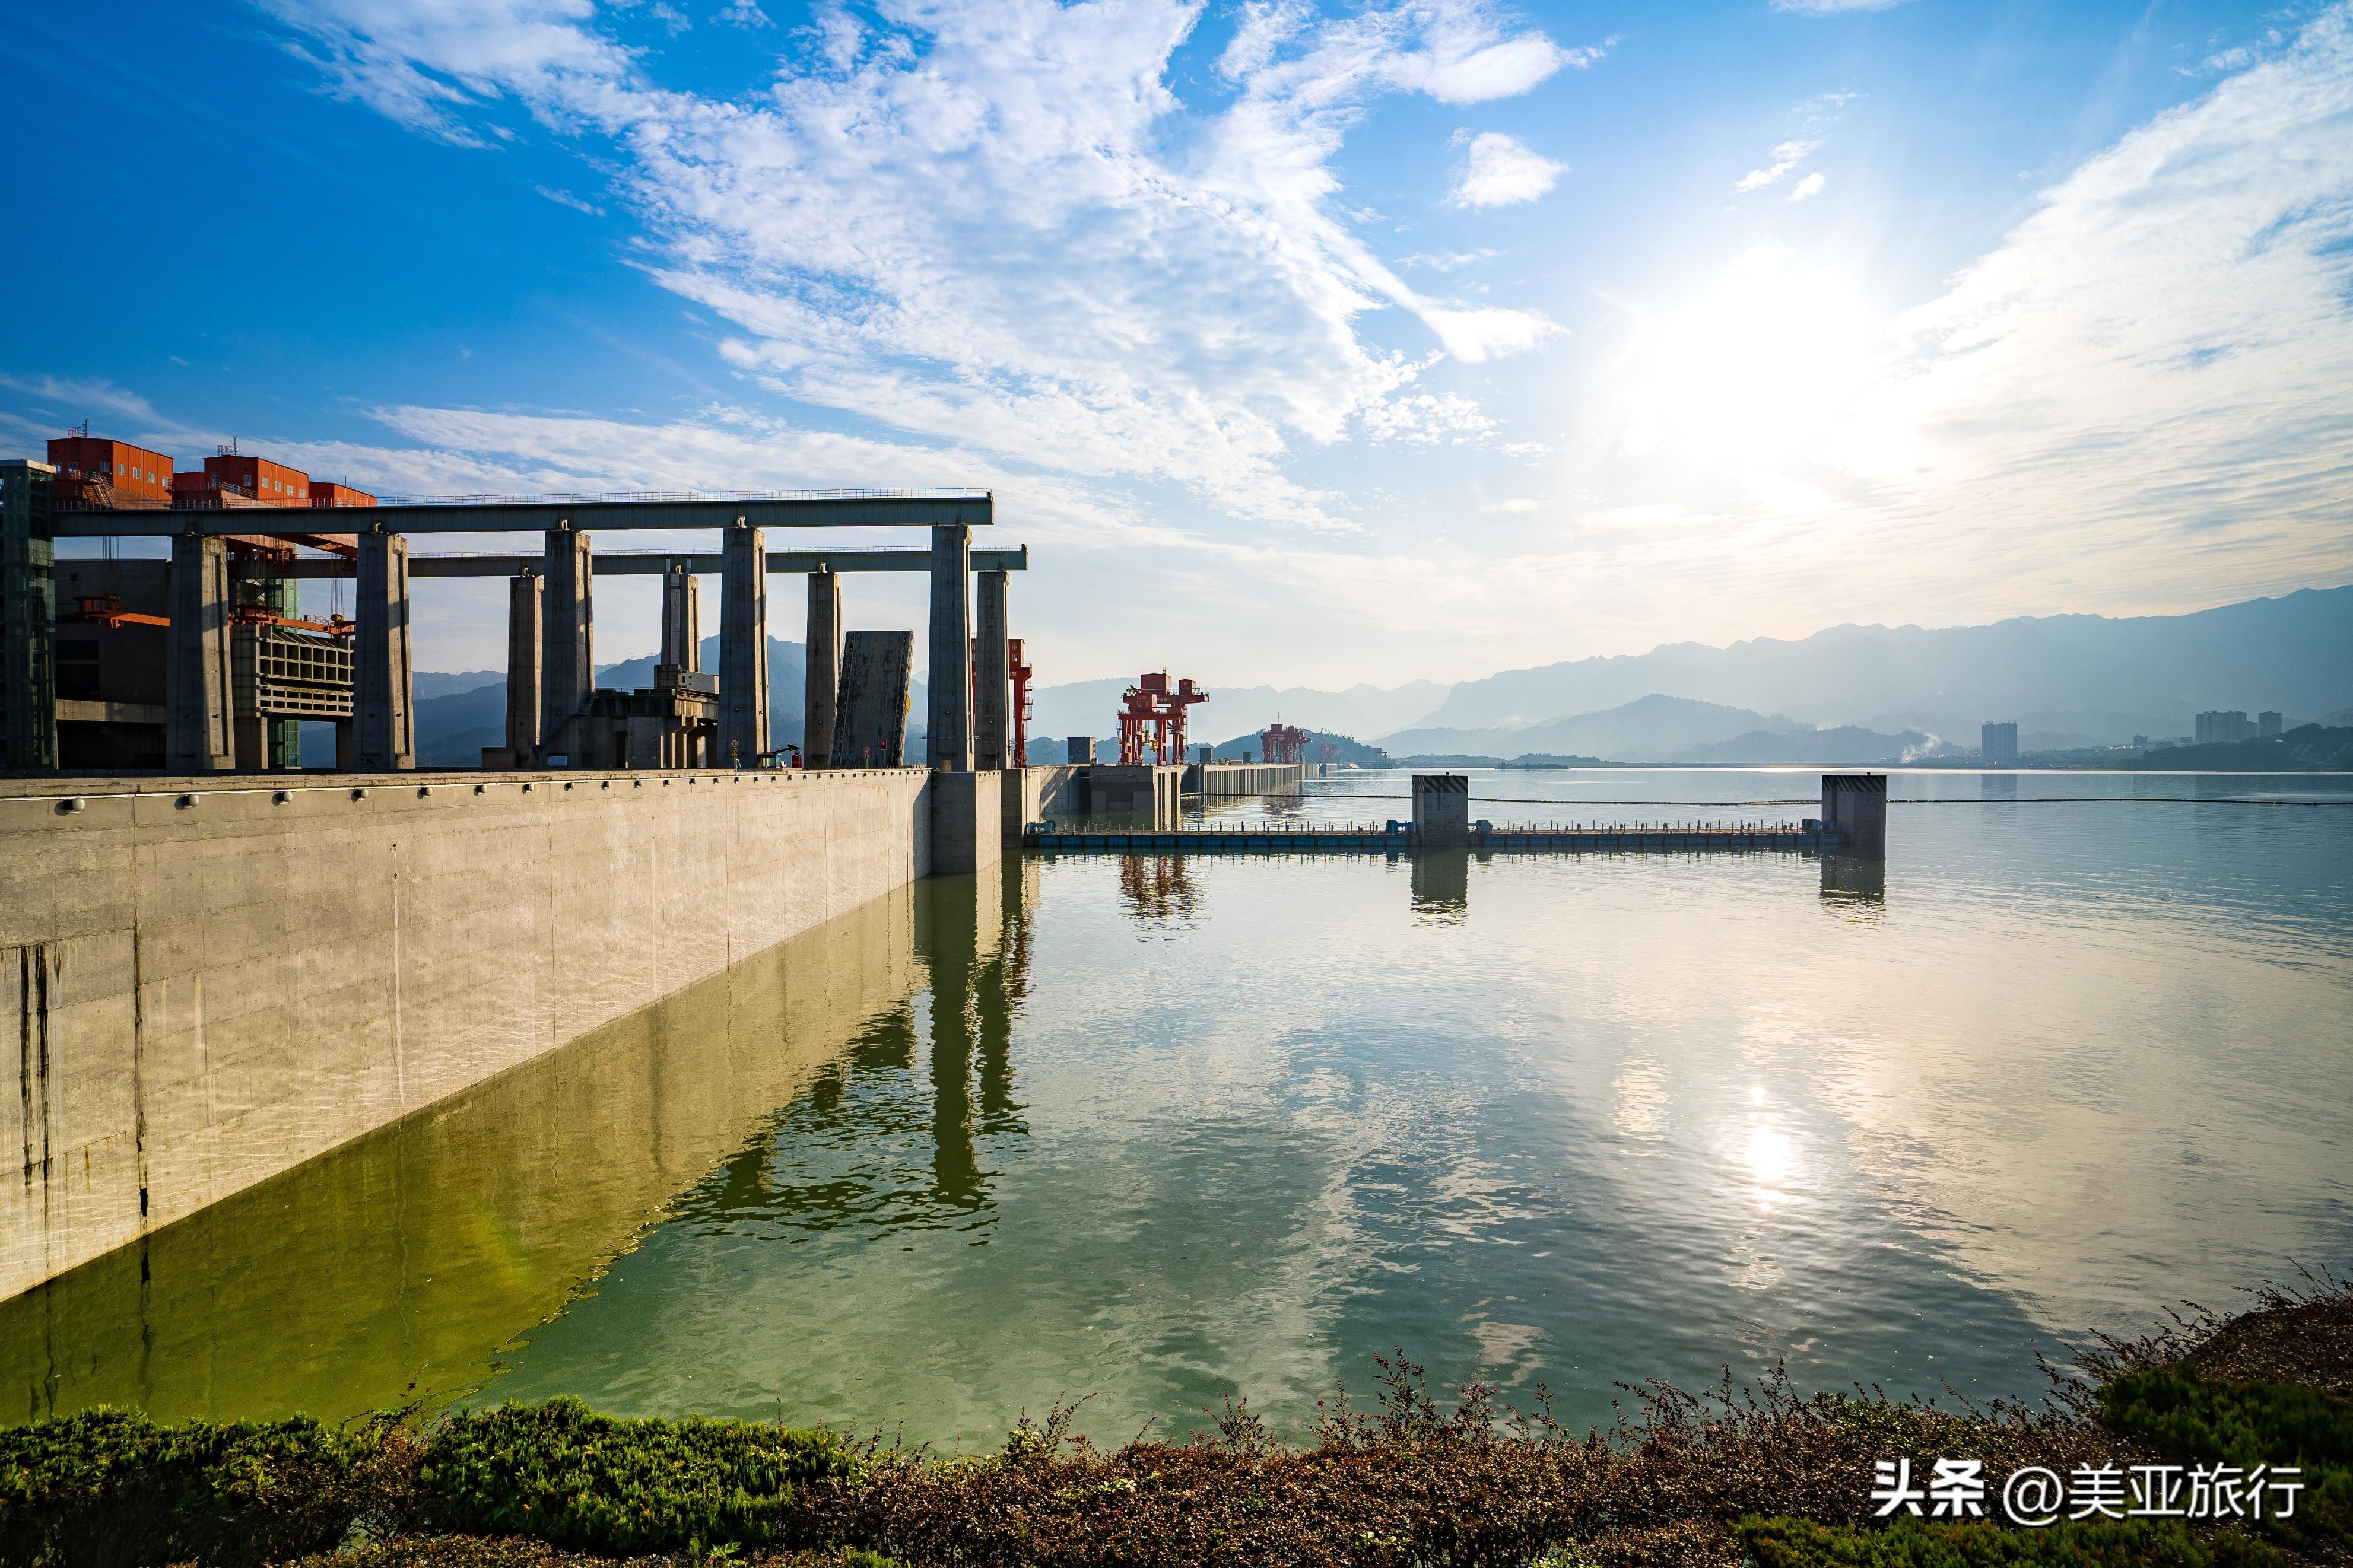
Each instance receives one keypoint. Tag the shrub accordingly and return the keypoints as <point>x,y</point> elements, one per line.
<point>2247,1423</point>
<point>111,1487</point>
<point>594,1483</point>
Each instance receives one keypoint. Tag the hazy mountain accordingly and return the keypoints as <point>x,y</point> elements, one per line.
<point>2294,653</point>
<point>1844,745</point>
<point>1652,728</point>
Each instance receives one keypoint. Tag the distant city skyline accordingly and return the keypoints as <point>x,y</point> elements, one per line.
<point>1306,346</point>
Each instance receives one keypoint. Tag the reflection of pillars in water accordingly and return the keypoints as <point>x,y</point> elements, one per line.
<point>1853,879</point>
<point>998,992</point>
<point>1158,888</point>
<point>963,930</point>
<point>1441,884</point>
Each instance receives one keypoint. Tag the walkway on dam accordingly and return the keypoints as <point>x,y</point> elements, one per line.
<point>1398,837</point>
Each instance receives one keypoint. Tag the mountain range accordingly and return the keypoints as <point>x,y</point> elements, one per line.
<point>1847,694</point>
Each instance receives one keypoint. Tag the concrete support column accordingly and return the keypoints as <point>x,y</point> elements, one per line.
<point>1442,811</point>
<point>1855,805</point>
<point>197,708</point>
<point>681,619</point>
<point>823,686</point>
<point>948,716</point>
<point>568,641</point>
<point>992,736</point>
<point>743,647</point>
<point>384,706</point>
<point>28,687</point>
<point>526,697</point>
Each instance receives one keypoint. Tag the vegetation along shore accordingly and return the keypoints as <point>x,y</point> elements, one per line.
<point>1750,1475</point>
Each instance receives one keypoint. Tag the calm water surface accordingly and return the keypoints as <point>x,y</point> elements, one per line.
<point>1162,1131</point>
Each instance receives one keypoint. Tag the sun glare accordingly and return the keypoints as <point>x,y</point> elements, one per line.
<point>1769,366</point>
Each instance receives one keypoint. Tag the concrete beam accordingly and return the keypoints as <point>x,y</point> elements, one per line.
<point>534,515</point>
<point>637,564</point>
<point>197,706</point>
<point>948,729</point>
<point>742,647</point>
<point>383,705</point>
<point>992,739</point>
<point>821,687</point>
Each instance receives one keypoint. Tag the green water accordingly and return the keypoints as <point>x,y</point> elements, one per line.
<point>1161,1131</point>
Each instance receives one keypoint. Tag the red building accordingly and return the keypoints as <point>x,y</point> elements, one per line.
<point>327,492</point>
<point>139,477</point>
<point>256,479</point>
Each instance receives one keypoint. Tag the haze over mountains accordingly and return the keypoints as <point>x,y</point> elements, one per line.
<point>1848,694</point>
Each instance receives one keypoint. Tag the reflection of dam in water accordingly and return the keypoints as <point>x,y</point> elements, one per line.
<point>409,1257</point>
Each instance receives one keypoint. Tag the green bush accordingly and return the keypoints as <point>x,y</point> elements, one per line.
<point>1914,1544</point>
<point>572,1478</point>
<point>2247,1423</point>
<point>111,1487</point>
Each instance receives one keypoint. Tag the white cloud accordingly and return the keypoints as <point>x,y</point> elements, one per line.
<point>1811,185</point>
<point>566,199</point>
<point>1782,159</point>
<point>993,222</point>
<point>1515,506</point>
<point>1499,170</point>
<point>1833,7</point>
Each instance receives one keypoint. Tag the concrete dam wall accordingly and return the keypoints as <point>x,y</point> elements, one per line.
<point>209,982</point>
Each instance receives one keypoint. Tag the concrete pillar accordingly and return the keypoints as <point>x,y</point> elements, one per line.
<point>1079,750</point>
<point>968,821</point>
<point>568,665</point>
<point>1442,811</point>
<point>197,708</point>
<point>526,697</point>
<point>28,612</point>
<point>383,705</point>
<point>681,620</point>
<point>1855,805</point>
<point>992,736</point>
<point>743,647</point>
<point>948,716</point>
<point>823,685</point>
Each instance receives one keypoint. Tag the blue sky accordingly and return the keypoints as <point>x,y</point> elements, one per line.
<point>1305,345</point>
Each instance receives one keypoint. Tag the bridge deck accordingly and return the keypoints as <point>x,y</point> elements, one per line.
<point>1049,838</point>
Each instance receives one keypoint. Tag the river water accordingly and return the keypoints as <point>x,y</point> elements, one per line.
<point>1161,1131</point>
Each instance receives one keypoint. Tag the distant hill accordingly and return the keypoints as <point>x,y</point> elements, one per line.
<point>1652,729</point>
<point>2308,748</point>
<point>1091,708</point>
<point>1843,745</point>
<point>2294,654</point>
<point>1345,749</point>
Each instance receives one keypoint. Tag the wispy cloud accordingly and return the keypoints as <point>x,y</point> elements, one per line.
<point>978,221</point>
<point>1811,185</point>
<point>1499,170</point>
<point>1833,7</point>
<point>566,199</point>
<point>1778,163</point>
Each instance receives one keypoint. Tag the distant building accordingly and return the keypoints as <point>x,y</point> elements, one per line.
<point>112,473</point>
<point>1998,744</point>
<point>326,493</point>
<point>2268,725</point>
<point>249,479</point>
<point>2223,727</point>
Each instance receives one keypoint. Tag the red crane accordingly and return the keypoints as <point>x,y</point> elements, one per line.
<point>1020,669</point>
<point>1281,742</point>
<point>1152,701</point>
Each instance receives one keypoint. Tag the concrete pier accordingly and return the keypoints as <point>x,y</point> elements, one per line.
<point>1079,751</point>
<point>681,620</point>
<point>383,728</point>
<point>215,980</point>
<point>743,647</point>
<point>198,735</point>
<point>1215,780</point>
<point>1855,807</point>
<point>525,629</point>
<point>992,733</point>
<point>29,665</point>
<point>821,686</point>
<point>568,647</point>
<point>968,821</point>
<point>948,714</point>
<point>1441,810</point>
<point>1150,794</point>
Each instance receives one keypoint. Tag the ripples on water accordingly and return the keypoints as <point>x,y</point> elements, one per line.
<point>1164,1129</point>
